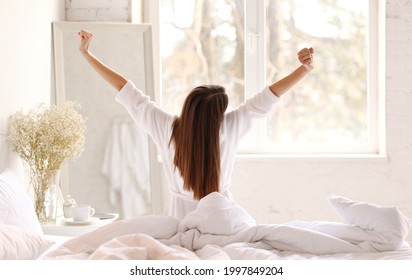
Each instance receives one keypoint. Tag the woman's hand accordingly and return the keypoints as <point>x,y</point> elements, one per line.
<point>85,39</point>
<point>306,58</point>
<point>282,86</point>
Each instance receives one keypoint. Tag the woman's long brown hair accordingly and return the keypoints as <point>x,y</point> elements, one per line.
<point>196,137</point>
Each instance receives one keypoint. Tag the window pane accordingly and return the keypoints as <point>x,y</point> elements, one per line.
<point>330,105</point>
<point>202,42</point>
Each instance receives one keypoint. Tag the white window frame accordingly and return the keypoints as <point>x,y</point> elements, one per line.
<point>255,71</point>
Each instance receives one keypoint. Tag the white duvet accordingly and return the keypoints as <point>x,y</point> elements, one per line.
<point>220,229</point>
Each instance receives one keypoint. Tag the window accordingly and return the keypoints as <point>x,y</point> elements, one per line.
<point>201,43</point>
<point>246,44</point>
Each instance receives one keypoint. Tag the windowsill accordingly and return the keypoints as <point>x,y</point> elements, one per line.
<point>242,157</point>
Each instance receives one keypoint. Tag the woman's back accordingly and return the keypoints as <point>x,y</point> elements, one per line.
<point>159,124</point>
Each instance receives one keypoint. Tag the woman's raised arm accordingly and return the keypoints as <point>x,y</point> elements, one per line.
<point>282,86</point>
<point>112,77</point>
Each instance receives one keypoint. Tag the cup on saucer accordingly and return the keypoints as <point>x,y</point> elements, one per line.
<point>81,213</point>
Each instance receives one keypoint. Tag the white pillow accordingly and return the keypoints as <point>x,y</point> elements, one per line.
<point>16,207</point>
<point>19,244</point>
<point>370,216</point>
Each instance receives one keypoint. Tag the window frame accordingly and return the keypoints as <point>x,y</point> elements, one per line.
<point>255,80</point>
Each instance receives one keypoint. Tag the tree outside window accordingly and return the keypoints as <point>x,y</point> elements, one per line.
<point>203,42</point>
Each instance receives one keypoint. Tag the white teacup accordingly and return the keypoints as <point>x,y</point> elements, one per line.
<point>82,213</point>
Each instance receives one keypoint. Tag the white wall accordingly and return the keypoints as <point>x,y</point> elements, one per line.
<point>26,70</point>
<point>98,10</point>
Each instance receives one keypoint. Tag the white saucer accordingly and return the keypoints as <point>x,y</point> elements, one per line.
<point>70,221</point>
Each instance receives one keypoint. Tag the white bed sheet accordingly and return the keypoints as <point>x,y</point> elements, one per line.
<point>220,230</point>
<point>58,241</point>
<point>143,247</point>
<point>404,253</point>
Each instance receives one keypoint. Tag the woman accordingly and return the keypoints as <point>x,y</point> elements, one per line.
<point>199,146</point>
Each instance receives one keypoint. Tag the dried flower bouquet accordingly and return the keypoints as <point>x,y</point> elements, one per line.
<point>44,138</point>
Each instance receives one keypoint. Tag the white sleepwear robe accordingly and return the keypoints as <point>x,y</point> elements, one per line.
<point>158,124</point>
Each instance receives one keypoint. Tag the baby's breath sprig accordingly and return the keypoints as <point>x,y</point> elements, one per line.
<point>44,138</point>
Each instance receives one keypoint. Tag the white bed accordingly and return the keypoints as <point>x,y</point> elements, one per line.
<point>150,249</point>
<point>217,230</point>
<point>221,230</point>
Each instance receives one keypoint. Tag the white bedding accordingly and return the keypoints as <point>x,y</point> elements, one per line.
<point>220,229</point>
